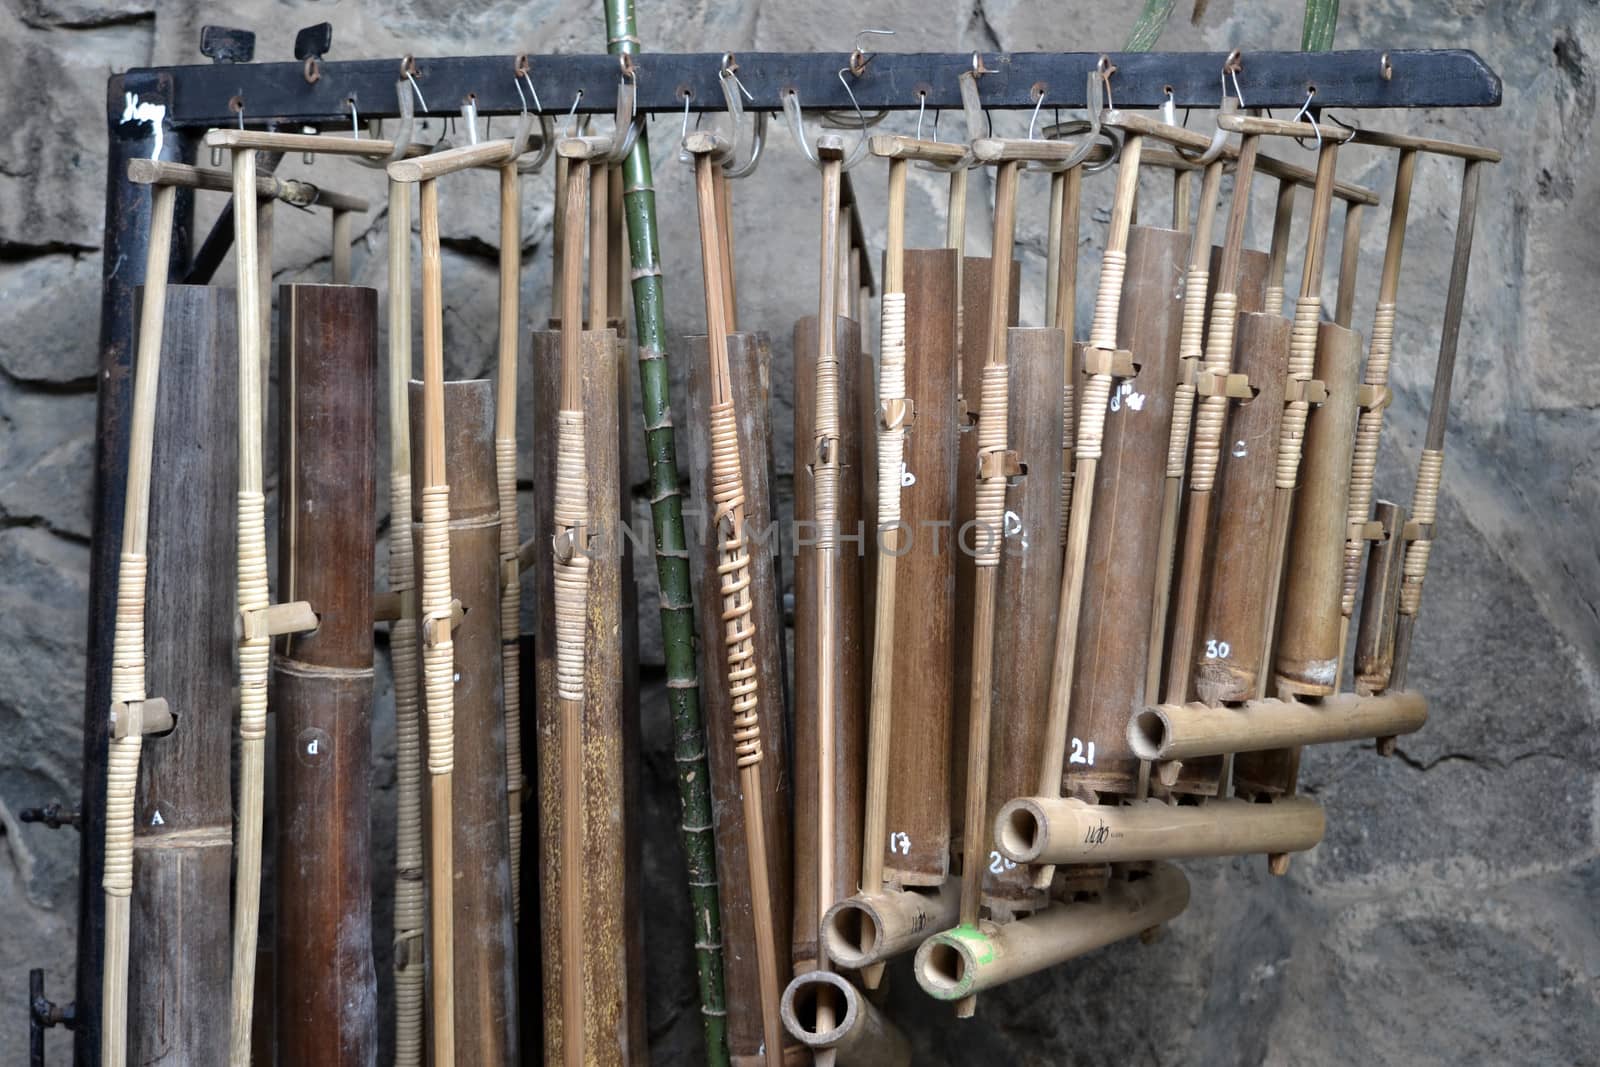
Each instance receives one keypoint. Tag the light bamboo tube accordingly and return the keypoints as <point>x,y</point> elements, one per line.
<point>599,244</point>
<point>1210,420</point>
<point>1344,308</point>
<point>1091,427</point>
<point>958,964</point>
<point>255,652</point>
<point>409,903</point>
<point>571,607</point>
<point>128,649</point>
<point>1067,830</point>
<point>505,456</point>
<point>1064,317</point>
<point>863,1036</point>
<point>438,655</point>
<point>869,928</point>
<point>1191,351</point>
<point>341,248</point>
<point>1188,731</point>
<point>737,616</point>
<point>1430,468</point>
<point>1182,199</point>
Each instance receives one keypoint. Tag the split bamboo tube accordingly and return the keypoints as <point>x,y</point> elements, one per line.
<point>958,964</point>
<point>1369,427</point>
<point>322,682</point>
<point>1066,210</point>
<point>1374,655</point>
<point>481,917</point>
<point>1186,731</point>
<point>738,626</point>
<point>1120,581</point>
<point>1100,364</point>
<point>1430,469</point>
<point>859,1035</point>
<point>129,699</point>
<point>410,911</point>
<point>1028,583</point>
<point>1067,830</point>
<point>749,364</point>
<point>183,812</point>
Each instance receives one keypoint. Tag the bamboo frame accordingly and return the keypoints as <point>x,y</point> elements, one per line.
<point>738,622</point>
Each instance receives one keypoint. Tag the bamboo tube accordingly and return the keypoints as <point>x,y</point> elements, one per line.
<point>290,191</point>
<point>871,928</point>
<point>1120,583</point>
<point>738,622</point>
<point>848,676</point>
<point>861,1035</point>
<point>1374,657</point>
<point>1064,317</point>
<point>1066,830</point>
<point>128,682</point>
<point>182,819</point>
<point>409,903</point>
<point>749,360</point>
<point>1210,422</point>
<point>958,964</point>
<point>1278,254</point>
<point>1185,731</point>
<point>322,683</point>
<point>505,455</point>
<point>599,246</point>
<point>481,917</point>
<point>1029,578</point>
<point>617,255</point>
<point>1369,427</point>
<point>1430,469</point>
<point>916,843</point>
<point>341,248</point>
<point>1349,264</point>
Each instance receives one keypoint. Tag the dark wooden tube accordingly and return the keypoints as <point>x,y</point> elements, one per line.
<point>1308,633</point>
<point>749,367</point>
<point>1120,573</point>
<point>610,994</point>
<point>1228,647</point>
<point>1380,602</point>
<point>1254,267</point>
<point>849,727</point>
<point>917,820</point>
<point>485,959</point>
<point>1028,599</point>
<point>178,947</point>
<point>322,682</point>
<point>974,339</point>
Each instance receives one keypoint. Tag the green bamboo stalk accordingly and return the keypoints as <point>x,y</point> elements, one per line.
<point>1147,29</point>
<point>672,563</point>
<point>1316,34</point>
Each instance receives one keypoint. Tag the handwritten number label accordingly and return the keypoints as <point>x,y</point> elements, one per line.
<point>1217,649</point>
<point>900,841</point>
<point>998,864</point>
<point>1082,753</point>
<point>907,479</point>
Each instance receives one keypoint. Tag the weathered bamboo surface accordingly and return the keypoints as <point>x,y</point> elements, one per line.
<point>976,272</point>
<point>1380,602</point>
<point>1028,598</point>
<point>850,667</point>
<point>183,821</point>
<point>749,369</point>
<point>485,958</point>
<point>1254,270</point>
<point>1120,569</point>
<point>917,850</point>
<point>610,991</point>
<point>1188,731</point>
<point>327,998</point>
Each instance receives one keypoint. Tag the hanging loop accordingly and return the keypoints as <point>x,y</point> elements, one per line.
<point>732,88</point>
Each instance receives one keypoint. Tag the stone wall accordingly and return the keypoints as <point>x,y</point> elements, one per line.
<point>1448,917</point>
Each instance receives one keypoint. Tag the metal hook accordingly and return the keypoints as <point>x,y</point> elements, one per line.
<point>1305,113</point>
<point>922,109</point>
<point>1169,109</point>
<point>236,105</point>
<point>860,149</point>
<point>572,112</point>
<point>1033,120</point>
<point>731,95</point>
<point>408,67</point>
<point>1219,137</point>
<point>355,119</point>
<point>1105,68</point>
<point>469,115</point>
<point>859,56</point>
<point>797,127</point>
<point>1385,68</point>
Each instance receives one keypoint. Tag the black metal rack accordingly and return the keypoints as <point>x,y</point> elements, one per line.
<point>317,92</point>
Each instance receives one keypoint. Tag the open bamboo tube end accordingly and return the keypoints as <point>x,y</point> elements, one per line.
<point>859,1033</point>
<point>1069,831</point>
<point>958,964</point>
<point>869,928</point>
<point>1184,731</point>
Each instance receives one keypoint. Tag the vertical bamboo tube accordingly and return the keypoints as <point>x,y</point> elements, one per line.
<point>322,682</point>
<point>749,362</point>
<point>1349,263</point>
<point>1278,251</point>
<point>1122,563</point>
<point>341,247</point>
<point>1064,317</point>
<point>1029,581</point>
<point>481,915</point>
<point>1374,656</point>
<point>848,675</point>
<point>409,904</point>
<point>183,816</point>
<point>916,841</point>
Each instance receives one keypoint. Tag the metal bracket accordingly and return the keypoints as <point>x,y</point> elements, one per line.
<point>224,44</point>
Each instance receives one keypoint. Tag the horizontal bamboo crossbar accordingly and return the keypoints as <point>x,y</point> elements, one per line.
<point>452,161</point>
<point>1066,830</point>
<point>1269,127</point>
<point>268,141</point>
<point>1457,149</point>
<point>899,146</point>
<point>290,191</point>
<point>1186,731</point>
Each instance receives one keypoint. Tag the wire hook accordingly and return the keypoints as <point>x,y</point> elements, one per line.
<point>1305,113</point>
